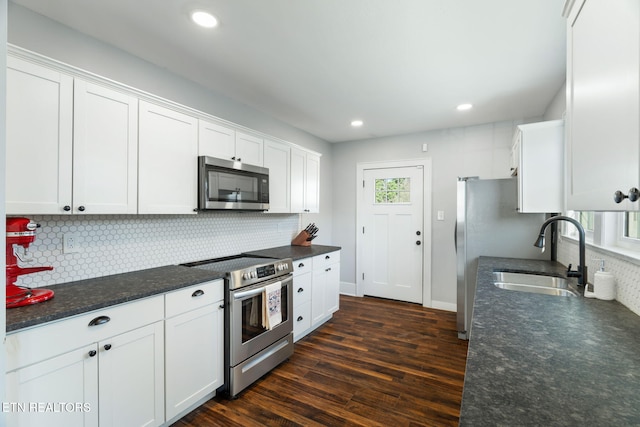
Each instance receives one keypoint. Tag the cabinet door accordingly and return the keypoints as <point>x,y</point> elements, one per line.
<point>603,103</point>
<point>277,160</point>
<point>131,378</point>
<point>332,291</point>
<point>312,184</point>
<point>39,139</point>
<point>249,149</point>
<point>318,290</point>
<point>105,150</point>
<point>216,141</point>
<point>68,379</point>
<point>298,160</point>
<point>541,167</point>
<point>194,356</point>
<point>168,166</point>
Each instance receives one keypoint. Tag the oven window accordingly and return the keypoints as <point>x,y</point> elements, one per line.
<point>231,187</point>
<point>252,315</point>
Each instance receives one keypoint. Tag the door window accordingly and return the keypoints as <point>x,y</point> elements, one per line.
<point>393,190</point>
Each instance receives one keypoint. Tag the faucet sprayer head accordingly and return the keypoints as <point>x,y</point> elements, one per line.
<point>539,243</point>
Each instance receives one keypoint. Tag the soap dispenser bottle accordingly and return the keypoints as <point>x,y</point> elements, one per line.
<point>604,283</point>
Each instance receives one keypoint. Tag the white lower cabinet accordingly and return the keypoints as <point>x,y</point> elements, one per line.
<point>68,379</point>
<point>143,363</point>
<point>194,339</point>
<point>325,292</point>
<point>316,284</point>
<point>301,297</point>
<point>102,368</point>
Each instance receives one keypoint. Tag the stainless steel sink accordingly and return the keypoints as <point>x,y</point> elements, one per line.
<point>533,283</point>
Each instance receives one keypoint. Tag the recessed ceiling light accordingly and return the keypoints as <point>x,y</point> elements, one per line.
<point>357,123</point>
<point>463,107</point>
<point>204,19</point>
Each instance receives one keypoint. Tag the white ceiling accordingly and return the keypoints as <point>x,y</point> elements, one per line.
<point>402,66</point>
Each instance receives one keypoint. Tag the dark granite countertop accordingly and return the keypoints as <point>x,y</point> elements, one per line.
<point>92,294</point>
<point>82,296</point>
<point>295,252</point>
<point>548,360</point>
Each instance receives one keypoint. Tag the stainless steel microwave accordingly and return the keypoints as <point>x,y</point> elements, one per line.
<point>228,185</point>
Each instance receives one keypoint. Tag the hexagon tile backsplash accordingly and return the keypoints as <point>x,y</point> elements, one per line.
<point>112,244</point>
<point>626,272</point>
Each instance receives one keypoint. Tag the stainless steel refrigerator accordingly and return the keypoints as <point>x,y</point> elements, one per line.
<point>488,224</point>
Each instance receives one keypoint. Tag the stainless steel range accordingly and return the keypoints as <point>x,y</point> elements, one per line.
<point>258,318</point>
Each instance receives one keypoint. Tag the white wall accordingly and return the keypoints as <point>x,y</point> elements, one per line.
<point>47,37</point>
<point>482,150</point>
<point>3,79</point>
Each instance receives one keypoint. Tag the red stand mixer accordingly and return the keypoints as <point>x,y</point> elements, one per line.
<point>21,232</point>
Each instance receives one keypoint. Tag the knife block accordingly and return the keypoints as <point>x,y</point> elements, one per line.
<point>301,239</point>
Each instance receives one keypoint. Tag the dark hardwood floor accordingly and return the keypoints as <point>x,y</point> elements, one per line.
<point>376,363</point>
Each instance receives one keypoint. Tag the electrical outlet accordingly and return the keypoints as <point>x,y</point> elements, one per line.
<point>440,216</point>
<point>70,243</point>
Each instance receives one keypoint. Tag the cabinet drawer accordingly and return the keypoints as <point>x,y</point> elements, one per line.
<point>43,342</point>
<point>301,319</point>
<point>193,297</point>
<point>301,289</point>
<point>321,261</point>
<point>302,266</point>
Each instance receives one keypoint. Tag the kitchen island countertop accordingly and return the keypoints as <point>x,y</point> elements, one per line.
<point>548,360</point>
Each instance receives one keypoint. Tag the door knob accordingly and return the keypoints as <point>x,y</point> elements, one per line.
<point>418,233</point>
<point>418,242</point>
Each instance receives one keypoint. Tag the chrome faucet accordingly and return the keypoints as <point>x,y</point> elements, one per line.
<point>581,272</point>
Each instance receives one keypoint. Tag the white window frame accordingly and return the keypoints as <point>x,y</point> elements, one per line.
<point>608,233</point>
<point>623,241</point>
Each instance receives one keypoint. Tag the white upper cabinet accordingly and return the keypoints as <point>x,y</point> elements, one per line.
<point>216,141</point>
<point>39,139</point>
<point>538,153</point>
<point>305,182</point>
<point>603,103</point>
<point>83,152</point>
<point>222,142</point>
<point>249,149</point>
<point>167,167</point>
<point>105,150</point>
<point>277,160</point>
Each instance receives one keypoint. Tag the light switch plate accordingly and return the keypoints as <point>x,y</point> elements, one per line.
<point>440,216</point>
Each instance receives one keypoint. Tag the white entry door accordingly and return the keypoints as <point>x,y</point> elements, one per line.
<point>392,239</point>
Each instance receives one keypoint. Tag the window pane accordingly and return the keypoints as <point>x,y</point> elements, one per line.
<point>587,220</point>
<point>632,226</point>
<point>393,190</point>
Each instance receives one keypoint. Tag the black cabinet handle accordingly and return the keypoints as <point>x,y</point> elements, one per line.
<point>81,208</point>
<point>300,318</point>
<point>300,290</point>
<point>300,265</point>
<point>221,306</point>
<point>239,159</point>
<point>198,293</point>
<point>327,257</point>
<point>107,347</point>
<point>100,320</point>
<point>92,353</point>
<point>328,269</point>
<point>67,208</point>
<point>634,195</point>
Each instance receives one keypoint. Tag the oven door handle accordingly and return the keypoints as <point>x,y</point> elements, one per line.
<point>248,294</point>
<point>253,292</point>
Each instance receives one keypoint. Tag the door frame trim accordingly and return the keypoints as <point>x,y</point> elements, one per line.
<point>426,163</point>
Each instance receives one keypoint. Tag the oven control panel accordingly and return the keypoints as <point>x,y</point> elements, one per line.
<point>266,271</point>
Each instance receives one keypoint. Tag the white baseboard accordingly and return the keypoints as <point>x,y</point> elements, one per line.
<point>347,288</point>
<point>442,305</point>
